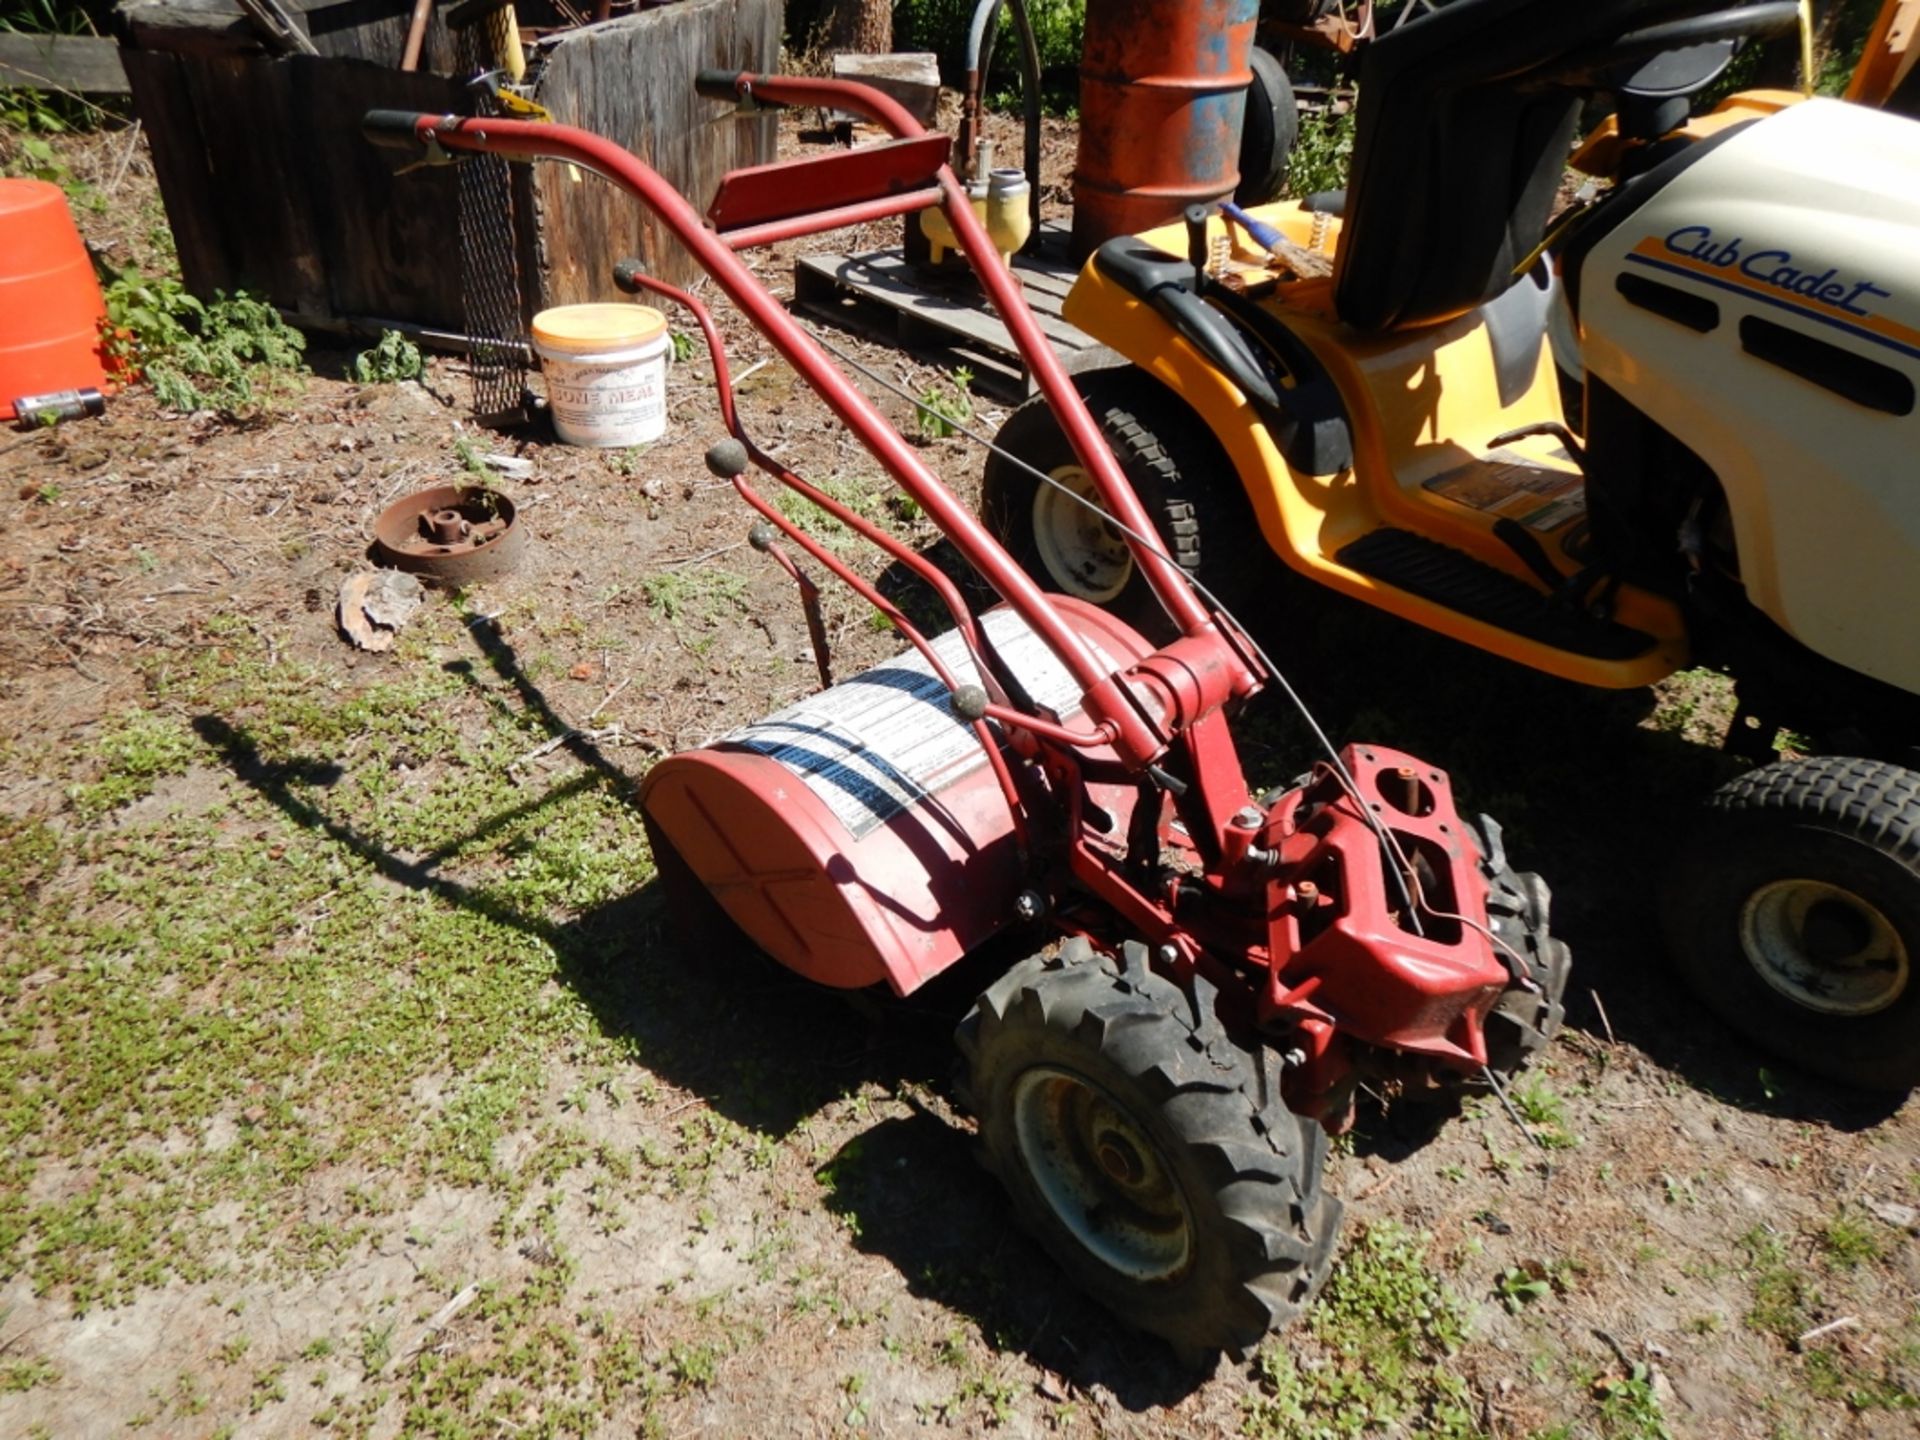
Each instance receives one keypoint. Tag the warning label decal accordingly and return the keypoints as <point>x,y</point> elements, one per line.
<point>874,745</point>
<point>1513,485</point>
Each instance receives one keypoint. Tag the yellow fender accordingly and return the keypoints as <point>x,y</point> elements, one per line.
<point>1306,520</point>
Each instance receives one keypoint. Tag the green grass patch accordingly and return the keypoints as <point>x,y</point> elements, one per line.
<point>1388,1324</point>
<point>709,596</point>
<point>361,959</point>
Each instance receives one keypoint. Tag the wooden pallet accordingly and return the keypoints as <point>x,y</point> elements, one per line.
<point>943,313</point>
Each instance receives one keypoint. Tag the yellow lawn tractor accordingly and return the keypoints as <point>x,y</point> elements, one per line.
<point>1364,384</point>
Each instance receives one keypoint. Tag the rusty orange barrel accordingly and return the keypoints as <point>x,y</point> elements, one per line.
<point>1163,89</point>
<point>50,304</point>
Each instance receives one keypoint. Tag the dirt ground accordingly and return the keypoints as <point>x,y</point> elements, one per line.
<point>356,1081</point>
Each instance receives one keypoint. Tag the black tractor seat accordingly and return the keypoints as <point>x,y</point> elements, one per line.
<point>1466,119</point>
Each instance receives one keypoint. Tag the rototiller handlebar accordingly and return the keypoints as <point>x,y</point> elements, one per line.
<point>1345,922</point>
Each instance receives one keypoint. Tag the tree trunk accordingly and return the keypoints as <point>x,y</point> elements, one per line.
<point>864,27</point>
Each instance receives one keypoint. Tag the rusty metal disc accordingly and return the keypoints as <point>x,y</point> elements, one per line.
<point>459,533</point>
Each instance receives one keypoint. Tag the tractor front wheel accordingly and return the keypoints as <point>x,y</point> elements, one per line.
<point>1795,913</point>
<point>1189,488</point>
<point>1149,1153</point>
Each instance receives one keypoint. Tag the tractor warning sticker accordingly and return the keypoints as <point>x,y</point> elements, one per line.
<point>878,743</point>
<point>1516,487</point>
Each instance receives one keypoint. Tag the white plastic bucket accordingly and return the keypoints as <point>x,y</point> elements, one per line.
<point>603,388</point>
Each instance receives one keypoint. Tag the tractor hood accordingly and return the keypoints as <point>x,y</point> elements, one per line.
<point>1764,307</point>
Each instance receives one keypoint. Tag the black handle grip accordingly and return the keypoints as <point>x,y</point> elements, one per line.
<point>395,129</point>
<point>718,84</point>
<point>625,273</point>
<point>1196,218</point>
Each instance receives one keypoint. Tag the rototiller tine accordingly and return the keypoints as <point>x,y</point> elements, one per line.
<point>1156,1092</point>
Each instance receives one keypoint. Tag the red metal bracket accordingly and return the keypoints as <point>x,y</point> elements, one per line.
<point>762,194</point>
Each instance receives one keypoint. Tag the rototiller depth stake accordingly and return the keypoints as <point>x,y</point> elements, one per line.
<point>1156,1092</point>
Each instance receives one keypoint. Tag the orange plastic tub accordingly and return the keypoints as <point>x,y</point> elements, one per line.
<point>50,303</point>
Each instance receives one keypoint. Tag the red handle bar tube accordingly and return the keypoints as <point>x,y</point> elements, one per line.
<point>1166,579</point>
<point>1139,737</point>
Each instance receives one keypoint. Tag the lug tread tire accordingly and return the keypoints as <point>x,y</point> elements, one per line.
<point>1264,1228</point>
<point>1847,816</point>
<point>1876,802</point>
<point>1523,1022</point>
<point>1176,466</point>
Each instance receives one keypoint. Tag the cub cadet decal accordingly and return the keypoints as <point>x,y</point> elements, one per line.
<point>1772,267</point>
<point>1772,278</point>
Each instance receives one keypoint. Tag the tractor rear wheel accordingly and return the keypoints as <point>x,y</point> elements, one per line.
<point>1149,1153</point>
<point>1269,131</point>
<point>1182,476</point>
<point>1794,911</point>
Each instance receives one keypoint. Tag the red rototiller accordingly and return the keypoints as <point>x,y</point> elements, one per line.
<point>1156,1091</point>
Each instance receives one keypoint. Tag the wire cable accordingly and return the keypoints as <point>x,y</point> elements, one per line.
<point>1404,877</point>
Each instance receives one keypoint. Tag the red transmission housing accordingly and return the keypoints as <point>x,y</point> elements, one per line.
<point>1347,956</point>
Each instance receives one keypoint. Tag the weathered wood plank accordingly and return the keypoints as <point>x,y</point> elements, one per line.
<point>189,27</point>
<point>373,30</point>
<point>911,77</point>
<point>260,164</point>
<point>882,293</point>
<point>389,244</point>
<point>886,277</point>
<point>84,64</point>
<point>164,106</point>
<point>632,81</point>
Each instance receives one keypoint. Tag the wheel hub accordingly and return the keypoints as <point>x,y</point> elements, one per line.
<point>1824,947</point>
<point>1102,1176</point>
<point>1086,556</point>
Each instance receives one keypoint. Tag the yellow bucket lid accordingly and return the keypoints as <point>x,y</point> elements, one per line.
<point>585,329</point>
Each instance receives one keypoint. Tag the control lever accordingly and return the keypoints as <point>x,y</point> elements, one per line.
<point>1196,218</point>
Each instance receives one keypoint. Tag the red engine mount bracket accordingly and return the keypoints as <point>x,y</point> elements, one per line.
<point>1347,952</point>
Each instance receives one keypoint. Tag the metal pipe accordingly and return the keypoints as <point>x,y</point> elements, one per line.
<point>1165,578</point>
<point>986,15</point>
<point>748,237</point>
<point>979,56</point>
<point>416,34</point>
<point>1029,111</point>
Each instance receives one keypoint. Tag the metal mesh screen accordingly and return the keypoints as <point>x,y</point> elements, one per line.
<point>489,265</point>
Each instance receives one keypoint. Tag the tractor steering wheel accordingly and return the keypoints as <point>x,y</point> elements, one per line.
<point>1675,57</point>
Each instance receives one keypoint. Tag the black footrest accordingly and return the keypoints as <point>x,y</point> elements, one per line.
<point>1456,580</point>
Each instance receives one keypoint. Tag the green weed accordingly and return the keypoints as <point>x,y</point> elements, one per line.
<point>473,460</point>
<point>1519,1287</point>
<point>144,746</point>
<point>1544,1110</point>
<point>1390,1324</point>
<point>1848,1243</point>
<point>708,595</point>
<point>1783,1300</point>
<point>943,407</point>
<point>1630,1409</point>
<point>393,359</point>
<point>234,357</point>
<point>23,1375</point>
